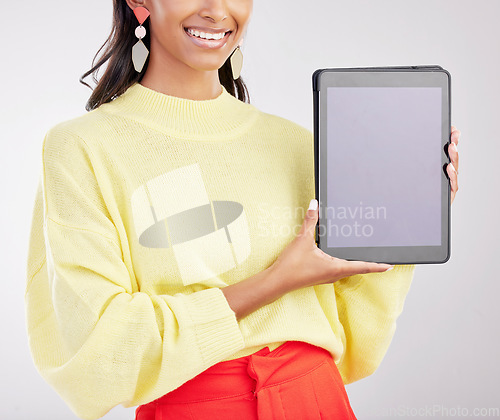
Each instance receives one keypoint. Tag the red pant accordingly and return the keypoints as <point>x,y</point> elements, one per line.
<point>295,381</point>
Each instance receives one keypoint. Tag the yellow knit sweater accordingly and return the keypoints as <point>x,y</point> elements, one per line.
<point>146,207</point>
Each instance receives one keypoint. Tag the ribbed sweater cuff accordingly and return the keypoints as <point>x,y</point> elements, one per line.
<point>216,328</point>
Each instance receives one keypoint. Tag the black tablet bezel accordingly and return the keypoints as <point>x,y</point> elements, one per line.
<point>408,76</point>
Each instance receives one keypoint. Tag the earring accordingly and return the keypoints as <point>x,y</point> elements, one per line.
<point>236,62</point>
<point>139,51</point>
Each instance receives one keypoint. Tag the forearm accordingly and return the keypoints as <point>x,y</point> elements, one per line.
<point>84,316</point>
<point>254,292</point>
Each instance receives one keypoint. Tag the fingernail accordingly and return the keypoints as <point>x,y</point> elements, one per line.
<point>452,167</point>
<point>313,205</point>
<point>390,268</point>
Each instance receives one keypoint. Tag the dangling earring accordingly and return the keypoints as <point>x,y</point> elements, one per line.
<point>139,51</point>
<point>236,62</point>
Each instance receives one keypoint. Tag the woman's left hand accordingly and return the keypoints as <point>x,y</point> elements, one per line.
<point>452,167</point>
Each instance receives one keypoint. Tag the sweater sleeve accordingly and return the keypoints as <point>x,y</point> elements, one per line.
<point>368,306</point>
<point>94,336</point>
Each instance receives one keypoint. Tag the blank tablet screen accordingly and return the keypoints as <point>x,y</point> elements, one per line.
<point>384,147</point>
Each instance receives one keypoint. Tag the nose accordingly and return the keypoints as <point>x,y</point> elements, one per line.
<point>214,10</point>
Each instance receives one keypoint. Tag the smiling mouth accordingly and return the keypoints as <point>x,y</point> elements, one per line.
<point>208,36</point>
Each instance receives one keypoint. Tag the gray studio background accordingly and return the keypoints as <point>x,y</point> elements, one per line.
<point>444,356</point>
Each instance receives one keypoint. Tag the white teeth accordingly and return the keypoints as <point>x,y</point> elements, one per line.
<point>206,35</point>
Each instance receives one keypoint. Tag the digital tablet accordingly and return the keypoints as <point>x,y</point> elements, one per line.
<point>381,138</point>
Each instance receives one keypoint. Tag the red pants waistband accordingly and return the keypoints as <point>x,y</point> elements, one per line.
<point>249,373</point>
<point>296,376</point>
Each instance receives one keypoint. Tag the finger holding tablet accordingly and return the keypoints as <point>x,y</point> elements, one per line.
<point>452,167</point>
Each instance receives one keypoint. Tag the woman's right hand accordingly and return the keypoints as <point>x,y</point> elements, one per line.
<point>299,265</point>
<point>303,264</point>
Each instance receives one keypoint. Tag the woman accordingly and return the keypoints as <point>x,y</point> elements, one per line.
<point>171,264</point>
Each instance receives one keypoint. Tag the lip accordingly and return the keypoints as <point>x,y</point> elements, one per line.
<point>208,30</point>
<point>208,43</point>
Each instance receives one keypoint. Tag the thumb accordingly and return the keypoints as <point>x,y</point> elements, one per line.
<point>310,219</point>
